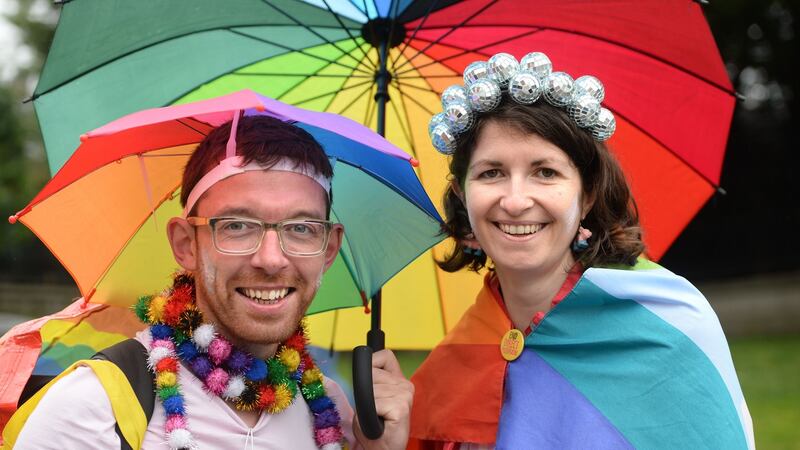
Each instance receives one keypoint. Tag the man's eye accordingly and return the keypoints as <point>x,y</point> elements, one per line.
<point>300,228</point>
<point>236,226</point>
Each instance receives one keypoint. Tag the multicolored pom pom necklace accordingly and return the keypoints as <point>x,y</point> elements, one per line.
<point>251,384</point>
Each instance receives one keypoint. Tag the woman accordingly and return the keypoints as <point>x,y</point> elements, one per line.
<point>575,340</point>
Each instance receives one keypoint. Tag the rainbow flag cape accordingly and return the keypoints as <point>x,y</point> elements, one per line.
<point>629,359</point>
<point>48,345</point>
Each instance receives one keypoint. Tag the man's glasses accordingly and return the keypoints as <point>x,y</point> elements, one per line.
<point>240,236</point>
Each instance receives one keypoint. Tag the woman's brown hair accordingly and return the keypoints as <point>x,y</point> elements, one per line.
<point>613,218</point>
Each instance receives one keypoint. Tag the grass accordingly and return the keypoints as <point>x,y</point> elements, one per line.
<point>769,372</point>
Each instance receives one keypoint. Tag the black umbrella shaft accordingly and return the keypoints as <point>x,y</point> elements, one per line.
<point>375,336</point>
<point>382,94</point>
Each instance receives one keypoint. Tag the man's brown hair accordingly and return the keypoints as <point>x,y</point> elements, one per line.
<point>263,139</point>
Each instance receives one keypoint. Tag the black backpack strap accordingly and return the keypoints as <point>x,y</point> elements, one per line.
<point>131,358</point>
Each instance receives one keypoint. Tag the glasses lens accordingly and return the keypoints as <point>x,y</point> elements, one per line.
<point>237,235</point>
<point>303,237</point>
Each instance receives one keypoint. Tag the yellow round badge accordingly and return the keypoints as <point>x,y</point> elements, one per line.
<point>512,344</point>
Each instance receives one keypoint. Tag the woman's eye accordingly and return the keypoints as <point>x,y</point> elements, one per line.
<point>547,173</point>
<point>491,173</point>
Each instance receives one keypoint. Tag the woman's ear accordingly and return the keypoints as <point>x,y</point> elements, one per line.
<point>457,190</point>
<point>588,203</point>
<point>182,237</point>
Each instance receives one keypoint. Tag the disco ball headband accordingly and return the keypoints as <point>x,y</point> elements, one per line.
<point>525,81</point>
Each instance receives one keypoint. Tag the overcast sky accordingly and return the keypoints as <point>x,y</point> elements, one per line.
<point>13,53</point>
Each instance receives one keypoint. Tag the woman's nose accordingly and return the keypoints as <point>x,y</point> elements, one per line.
<point>516,200</point>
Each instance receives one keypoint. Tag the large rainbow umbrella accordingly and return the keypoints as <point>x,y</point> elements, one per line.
<point>384,63</point>
<point>103,216</point>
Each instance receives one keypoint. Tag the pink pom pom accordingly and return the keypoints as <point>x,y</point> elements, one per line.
<point>174,422</point>
<point>165,343</point>
<point>218,350</point>
<point>217,380</point>
<point>328,435</point>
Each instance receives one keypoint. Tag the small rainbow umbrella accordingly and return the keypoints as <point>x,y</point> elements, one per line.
<point>102,215</point>
<point>384,63</point>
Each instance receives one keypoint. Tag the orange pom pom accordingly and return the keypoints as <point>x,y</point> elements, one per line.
<point>169,364</point>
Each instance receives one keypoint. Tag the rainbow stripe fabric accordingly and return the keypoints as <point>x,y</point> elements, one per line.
<point>629,359</point>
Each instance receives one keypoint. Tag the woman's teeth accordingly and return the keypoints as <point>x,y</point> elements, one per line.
<point>520,229</point>
<point>266,296</point>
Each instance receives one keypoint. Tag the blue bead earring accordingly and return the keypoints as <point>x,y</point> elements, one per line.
<point>476,252</point>
<point>581,241</point>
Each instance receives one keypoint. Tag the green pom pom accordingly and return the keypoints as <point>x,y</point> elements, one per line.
<point>277,372</point>
<point>312,391</point>
<point>167,392</point>
<point>179,337</point>
<point>142,306</point>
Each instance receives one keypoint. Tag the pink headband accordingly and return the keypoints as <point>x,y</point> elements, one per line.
<point>234,165</point>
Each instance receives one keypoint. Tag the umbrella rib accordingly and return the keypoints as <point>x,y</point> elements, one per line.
<point>316,72</point>
<point>413,34</point>
<point>658,141</point>
<point>305,75</point>
<point>356,99</point>
<point>347,30</point>
<point>411,97</point>
<point>407,126</point>
<point>153,44</point>
<point>290,17</point>
<point>452,29</point>
<point>317,97</point>
<point>427,89</point>
<point>191,127</point>
<point>609,41</point>
<point>464,52</point>
<point>302,52</point>
<point>370,110</point>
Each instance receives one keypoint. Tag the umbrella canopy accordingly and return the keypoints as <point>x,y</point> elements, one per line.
<point>384,63</point>
<point>103,214</point>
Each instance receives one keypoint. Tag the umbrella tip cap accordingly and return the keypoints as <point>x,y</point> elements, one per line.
<point>13,219</point>
<point>414,162</point>
<point>84,137</point>
<point>260,108</point>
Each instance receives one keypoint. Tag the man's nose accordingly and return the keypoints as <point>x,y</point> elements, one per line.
<point>270,256</point>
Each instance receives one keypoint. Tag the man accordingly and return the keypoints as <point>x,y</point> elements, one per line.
<point>224,341</point>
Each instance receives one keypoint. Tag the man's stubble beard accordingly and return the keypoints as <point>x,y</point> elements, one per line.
<point>205,285</point>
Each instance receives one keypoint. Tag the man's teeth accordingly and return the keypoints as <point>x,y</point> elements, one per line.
<point>520,229</point>
<point>266,295</point>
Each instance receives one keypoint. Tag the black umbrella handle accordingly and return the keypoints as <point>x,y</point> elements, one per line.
<point>371,423</point>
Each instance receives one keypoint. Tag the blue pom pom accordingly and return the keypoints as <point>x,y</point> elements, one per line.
<point>187,351</point>
<point>238,361</point>
<point>297,375</point>
<point>174,405</point>
<point>201,367</point>
<point>161,331</point>
<point>257,371</point>
<point>320,404</point>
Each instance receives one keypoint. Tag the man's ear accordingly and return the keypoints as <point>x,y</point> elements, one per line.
<point>334,244</point>
<point>182,237</point>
